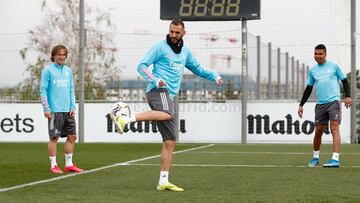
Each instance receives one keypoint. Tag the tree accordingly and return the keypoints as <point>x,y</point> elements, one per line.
<point>61,26</point>
<point>230,90</point>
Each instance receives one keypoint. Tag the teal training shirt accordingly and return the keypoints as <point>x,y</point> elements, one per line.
<point>57,89</point>
<point>169,67</point>
<point>326,78</point>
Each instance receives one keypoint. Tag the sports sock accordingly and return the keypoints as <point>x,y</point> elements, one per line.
<point>164,177</point>
<point>335,156</point>
<point>68,160</point>
<point>52,161</point>
<point>316,154</point>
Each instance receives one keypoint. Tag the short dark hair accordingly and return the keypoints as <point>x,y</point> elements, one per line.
<point>56,49</point>
<point>177,21</point>
<point>320,46</point>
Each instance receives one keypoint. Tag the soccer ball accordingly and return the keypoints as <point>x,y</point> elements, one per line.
<point>120,109</point>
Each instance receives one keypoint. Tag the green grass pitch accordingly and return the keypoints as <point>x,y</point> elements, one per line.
<point>208,173</point>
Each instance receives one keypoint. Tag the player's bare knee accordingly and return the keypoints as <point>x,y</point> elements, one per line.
<point>334,129</point>
<point>54,139</point>
<point>318,135</point>
<point>168,117</point>
<point>319,132</point>
<point>72,138</point>
<point>165,116</point>
<point>170,144</point>
<point>334,126</point>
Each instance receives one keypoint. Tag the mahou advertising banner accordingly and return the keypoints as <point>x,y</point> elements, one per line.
<point>280,124</point>
<point>267,122</point>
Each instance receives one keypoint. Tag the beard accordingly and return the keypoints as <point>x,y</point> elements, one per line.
<point>175,40</point>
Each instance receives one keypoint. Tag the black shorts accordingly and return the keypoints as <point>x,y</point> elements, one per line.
<point>328,112</point>
<point>159,100</point>
<point>61,124</point>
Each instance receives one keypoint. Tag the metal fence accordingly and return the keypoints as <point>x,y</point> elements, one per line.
<point>273,75</point>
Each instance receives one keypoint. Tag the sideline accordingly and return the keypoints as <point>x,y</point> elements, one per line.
<point>240,165</point>
<point>273,153</point>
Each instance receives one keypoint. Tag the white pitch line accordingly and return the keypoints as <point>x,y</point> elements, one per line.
<point>97,169</point>
<point>272,153</point>
<point>239,165</point>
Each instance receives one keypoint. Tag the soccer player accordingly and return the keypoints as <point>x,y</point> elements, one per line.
<point>325,75</point>
<point>58,101</point>
<point>169,57</point>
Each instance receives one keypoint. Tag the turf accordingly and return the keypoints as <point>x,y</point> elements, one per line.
<point>216,173</point>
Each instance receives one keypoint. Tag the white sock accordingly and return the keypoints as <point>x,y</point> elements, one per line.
<point>335,156</point>
<point>164,177</point>
<point>68,160</point>
<point>53,161</point>
<point>130,118</point>
<point>316,154</point>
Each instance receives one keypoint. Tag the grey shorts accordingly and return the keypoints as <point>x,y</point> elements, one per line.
<point>328,112</point>
<point>61,124</point>
<point>159,100</point>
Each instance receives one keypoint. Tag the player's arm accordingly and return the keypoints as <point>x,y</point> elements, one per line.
<point>348,101</point>
<point>72,96</point>
<point>195,67</point>
<point>143,68</point>
<point>44,84</point>
<point>304,98</point>
<point>306,95</point>
<point>307,92</point>
<point>342,77</point>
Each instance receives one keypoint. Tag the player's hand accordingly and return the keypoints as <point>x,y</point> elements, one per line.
<point>160,83</point>
<point>348,102</point>
<point>47,114</point>
<point>219,81</point>
<point>72,113</point>
<point>300,111</point>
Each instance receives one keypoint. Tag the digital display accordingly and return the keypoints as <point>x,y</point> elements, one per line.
<point>209,10</point>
